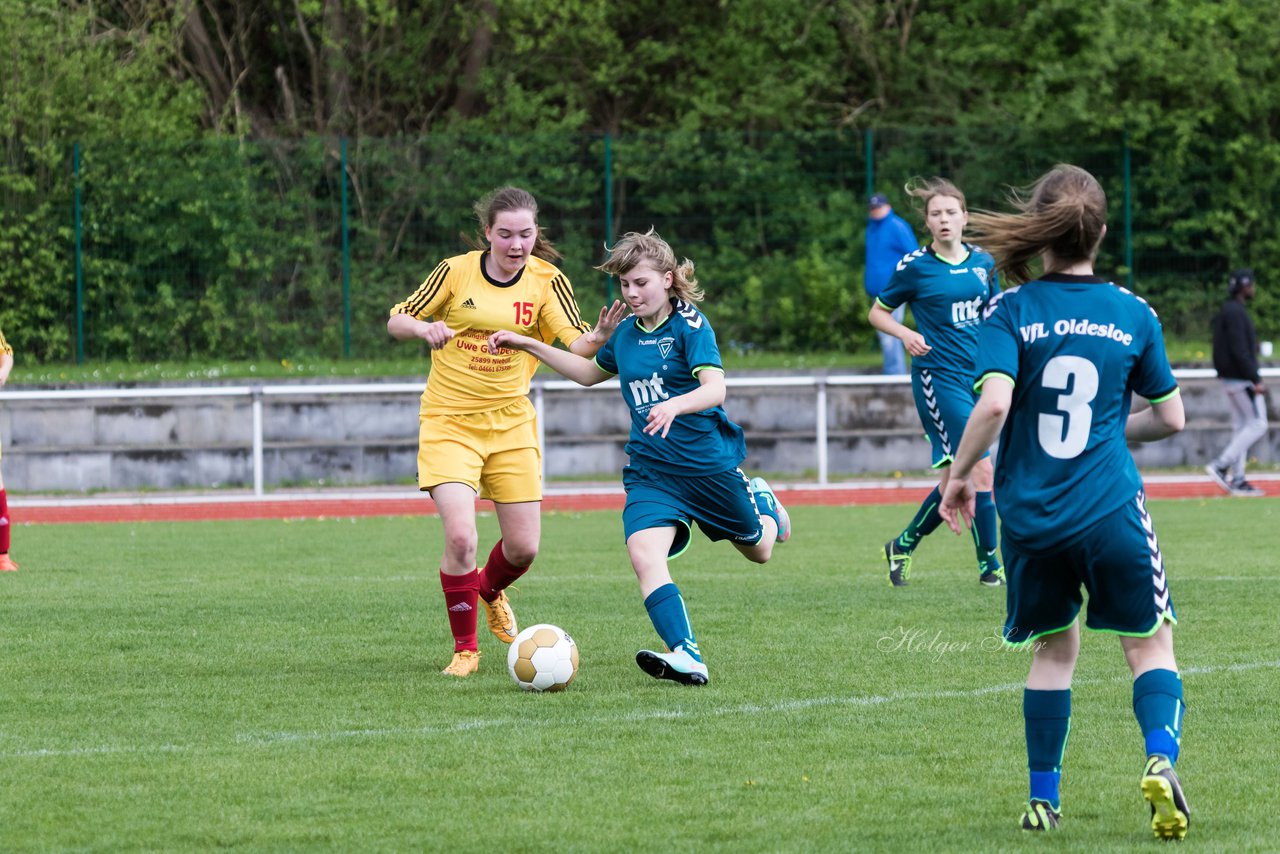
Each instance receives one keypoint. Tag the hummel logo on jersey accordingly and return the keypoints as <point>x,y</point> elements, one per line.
<point>691,315</point>
<point>665,345</point>
<point>469,303</point>
<point>461,607</point>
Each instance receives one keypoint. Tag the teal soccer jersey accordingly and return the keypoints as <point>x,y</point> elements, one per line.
<point>1074,347</point>
<point>654,365</point>
<point>946,301</point>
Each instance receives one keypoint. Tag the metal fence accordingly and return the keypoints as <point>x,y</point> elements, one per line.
<point>543,395</point>
<point>229,248</point>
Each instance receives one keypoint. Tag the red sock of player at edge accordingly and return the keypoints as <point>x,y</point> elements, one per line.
<point>498,573</point>
<point>460,592</point>
<point>4,522</point>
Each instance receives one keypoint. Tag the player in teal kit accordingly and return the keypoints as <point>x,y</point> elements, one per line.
<point>684,451</point>
<point>1058,360</point>
<point>947,284</point>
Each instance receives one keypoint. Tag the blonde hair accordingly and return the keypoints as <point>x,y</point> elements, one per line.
<point>927,189</point>
<point>1063,213</point>
<point>511,199</point>
<point>633,248</point>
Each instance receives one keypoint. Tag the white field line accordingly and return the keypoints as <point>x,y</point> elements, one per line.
<point>272,739</point>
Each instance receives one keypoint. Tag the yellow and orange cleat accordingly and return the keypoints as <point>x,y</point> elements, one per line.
<point>7,564</point>
<point>502,619</point>
<point>464,663</point>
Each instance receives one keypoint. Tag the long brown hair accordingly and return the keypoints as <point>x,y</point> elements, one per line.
<point>510,199</point>
<point>634,247</point>
<point>1064,213</point>
<point>927,189</point>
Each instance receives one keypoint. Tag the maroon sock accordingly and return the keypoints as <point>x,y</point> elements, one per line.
<point>498,573</point>
<point>4,523</point>
<point>460,593</point>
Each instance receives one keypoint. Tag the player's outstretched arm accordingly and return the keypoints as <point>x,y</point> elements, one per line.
<point>610,316</point>
<point>569,365</point>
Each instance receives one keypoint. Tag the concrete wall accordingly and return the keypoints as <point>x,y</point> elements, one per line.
<point>371,438</point>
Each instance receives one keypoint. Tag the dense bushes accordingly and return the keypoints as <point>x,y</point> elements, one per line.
<point>219,248</point>
<point>211,169</point>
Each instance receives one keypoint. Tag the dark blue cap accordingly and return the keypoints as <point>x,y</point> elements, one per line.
<point>877,200</point>
<point>1239,280</point>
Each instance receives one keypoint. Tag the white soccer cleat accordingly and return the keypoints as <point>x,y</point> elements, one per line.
<point>678,666</point>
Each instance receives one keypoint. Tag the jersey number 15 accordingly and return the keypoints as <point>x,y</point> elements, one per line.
<point>524,313</point>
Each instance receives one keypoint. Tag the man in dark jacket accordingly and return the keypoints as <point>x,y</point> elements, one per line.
<point>1235,358</point>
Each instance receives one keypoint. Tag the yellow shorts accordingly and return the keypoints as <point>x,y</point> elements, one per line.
<point>495,453</point>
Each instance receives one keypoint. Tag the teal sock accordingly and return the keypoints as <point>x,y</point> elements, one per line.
<point>1157,703</point>
<point>926,521</point>
<point>671,620</point>
<point>984,531</point>
<point>1048,721</point>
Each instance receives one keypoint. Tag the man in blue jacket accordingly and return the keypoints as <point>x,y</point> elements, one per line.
<point>889,237</point>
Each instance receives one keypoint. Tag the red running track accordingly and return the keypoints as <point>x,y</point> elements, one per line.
<point>317,507</point>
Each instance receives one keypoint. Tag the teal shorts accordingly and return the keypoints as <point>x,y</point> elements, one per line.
<point>721,504</point>
<point>944,401</point>
<point>1117,561</point>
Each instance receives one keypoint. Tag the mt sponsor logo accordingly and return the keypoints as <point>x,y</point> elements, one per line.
<point>647,391</point>
<point>966,312</point>
<point>1081,326</point>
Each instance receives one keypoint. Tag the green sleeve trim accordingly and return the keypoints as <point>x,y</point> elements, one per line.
<point>707,368</point>
<point>606,370</point>
<point>989,374</point>
<point>885,305</point>
<point>1162,398</point>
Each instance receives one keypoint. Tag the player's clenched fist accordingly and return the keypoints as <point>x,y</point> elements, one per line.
<point>436,334</point>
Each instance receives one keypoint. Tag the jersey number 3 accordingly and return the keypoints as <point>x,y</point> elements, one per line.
<point>1064,436</point>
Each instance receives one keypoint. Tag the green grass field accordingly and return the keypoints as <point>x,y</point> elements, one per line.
<point>275,686</point>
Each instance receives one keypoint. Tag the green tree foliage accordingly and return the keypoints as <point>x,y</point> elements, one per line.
<point>65,78</point>
<point>210,173</point>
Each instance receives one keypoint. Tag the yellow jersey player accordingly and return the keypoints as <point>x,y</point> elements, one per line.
<point>6,562</point>
<point>477,427</point>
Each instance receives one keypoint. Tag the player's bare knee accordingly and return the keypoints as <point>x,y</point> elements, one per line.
<point>460,546</point>
<point>519,554</point>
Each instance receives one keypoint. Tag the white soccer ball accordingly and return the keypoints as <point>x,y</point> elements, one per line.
<point>543,658</point>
